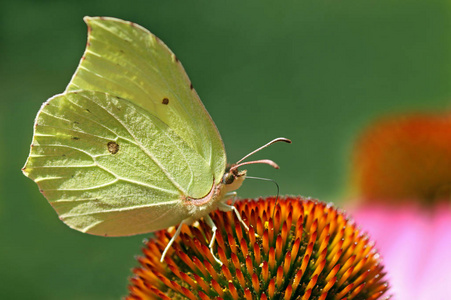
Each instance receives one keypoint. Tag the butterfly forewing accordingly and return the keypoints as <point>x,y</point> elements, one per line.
<point>126,60</point>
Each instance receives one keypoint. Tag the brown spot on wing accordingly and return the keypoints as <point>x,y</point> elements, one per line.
<point>113,147</point>
<point>165,101</point>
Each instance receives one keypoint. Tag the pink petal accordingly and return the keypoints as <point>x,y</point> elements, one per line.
<point>415,245</point>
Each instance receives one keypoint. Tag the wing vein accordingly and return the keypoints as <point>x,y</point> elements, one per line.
<point>87,188</point>
<point>65,146</point>
<point>90,119</point>
<point>114,81</point>
<point>176,185</point>
<point>77,131</point>
<point>120,209</point>
<point>169,88</point>
<point>98,198</point>
<point>136,182</point>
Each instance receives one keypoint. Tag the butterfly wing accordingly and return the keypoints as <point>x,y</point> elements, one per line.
<point>109,167</point>
<point>129,140</point>
<point>126,60</point>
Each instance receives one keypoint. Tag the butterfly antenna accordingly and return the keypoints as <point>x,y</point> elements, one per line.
<point>262,161</point>
<point>267,179</point>
<point>278,189</point>
<point>281,139</point>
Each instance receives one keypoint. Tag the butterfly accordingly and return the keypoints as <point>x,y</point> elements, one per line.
<point>128,147</point>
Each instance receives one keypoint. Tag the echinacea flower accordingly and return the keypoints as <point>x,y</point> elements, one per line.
<point>404,158</point>
<point>295,249</point>
<point>402,179</point>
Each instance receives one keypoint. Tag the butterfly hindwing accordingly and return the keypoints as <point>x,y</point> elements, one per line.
<point>110,168</point>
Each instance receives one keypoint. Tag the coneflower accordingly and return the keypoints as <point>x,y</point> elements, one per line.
<point>295,249</point>
<point>403,158</point>
<point>402,186</point>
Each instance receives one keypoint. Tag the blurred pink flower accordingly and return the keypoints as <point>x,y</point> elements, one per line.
<point>415,245</point>
<point>401,174</point>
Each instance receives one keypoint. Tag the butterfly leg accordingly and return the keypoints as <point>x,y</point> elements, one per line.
<point>213,238</point>
<point>229,195</point>
<point>176,234</point>
<point>224,207</point>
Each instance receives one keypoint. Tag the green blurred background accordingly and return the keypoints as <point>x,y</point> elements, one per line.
<point>314,71</point>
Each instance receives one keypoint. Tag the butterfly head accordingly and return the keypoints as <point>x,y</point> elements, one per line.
<point>233,178</point>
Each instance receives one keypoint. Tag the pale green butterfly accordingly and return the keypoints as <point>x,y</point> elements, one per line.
<point>129,148</point>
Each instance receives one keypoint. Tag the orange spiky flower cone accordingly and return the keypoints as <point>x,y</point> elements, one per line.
<point>295,249</point>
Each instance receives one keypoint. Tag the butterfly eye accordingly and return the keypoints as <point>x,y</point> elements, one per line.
<point>228,178</point>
